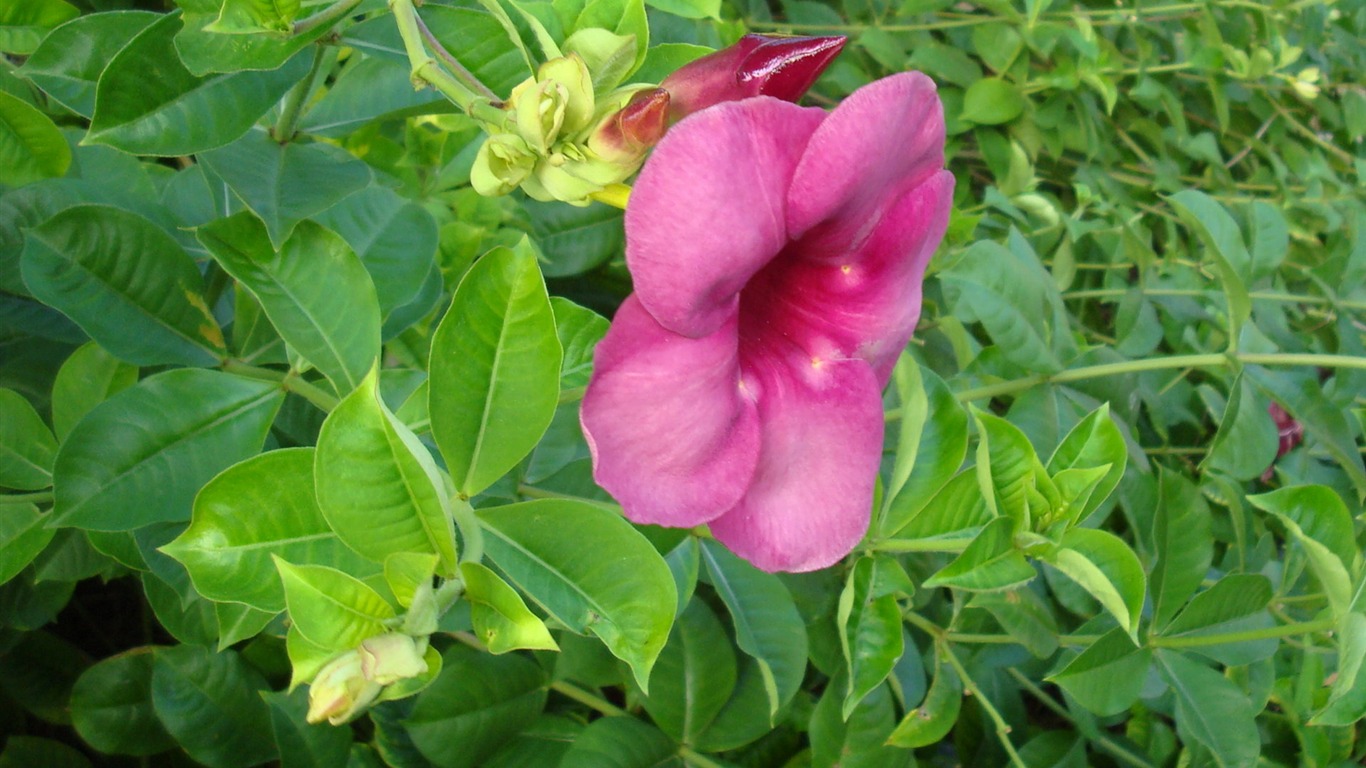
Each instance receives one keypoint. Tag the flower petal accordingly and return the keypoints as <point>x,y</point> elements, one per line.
<point>673,436</point>
<point>812,493</point>
<point>708,210</point>
<point>879,143</point>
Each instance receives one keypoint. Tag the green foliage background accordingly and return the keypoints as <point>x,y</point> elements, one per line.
<point>252,313</point>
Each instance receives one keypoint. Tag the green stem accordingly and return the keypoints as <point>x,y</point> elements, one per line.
<point>454,65</point>
<point>287,125</point>
<point>1288,298</point>
<point>41,497</point>
<point>1099,737</point>
<point>591,700</point>
<point>1276,632</point>
<point>1002,728</point>
<point>325,17</point>
<point>572,395</point>
<point>426,69</point>
<point>288,380</point>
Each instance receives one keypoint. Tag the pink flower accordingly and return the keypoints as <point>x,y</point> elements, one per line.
<point>756,65</point>
<point>777,253</point>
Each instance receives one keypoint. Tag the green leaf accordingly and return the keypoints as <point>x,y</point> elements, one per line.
<point>139,457</point>
<point>1102,564</point>
<point>125,282</point>
<point>495,368</point>
<point>1183,542</point>
<point>952,517</point>
<point>1107,677</point>
<point>767,624</point>
<point>283,184</point>
<point>631,616</point>
<point>1270,240</point>
<point>1246,442</point>
<point>332,609</point>
<point>261,508</point>
<point>1347,701</point>
<point>1212,711</point>
<point>31,147</point>
<point>1094,442</point>
<point>855,738</point>
<point>579,331</point>
<point>23,23</point>
<point>301,744</point>
<point>1236,603</point>
<point>208,701</point>
<point>1025,616</point>
<point>476,704</point>
<point>621,742</point>
<point>238,622</point>
<point>248,16</point>
<point>27,751</point>
<point>931,445</point>
<point>990,562</point>
<point>694,676</point>
<point>575,240</point>
<point>1019,305</point>
<point>500,617</point>
<point>29,448</point>
<point>1009,470</point>
<point>992,101</point>
<point>869,619</point>
<point>1316,517</point>
<point>1301,394</point>
<point>1223,242</point>
<point>688,9</point>
<point>87,378</point>
<point>176,112</point>
<point>378,486</point>
<point>23,535</point>
<point>314,290</point>
<point>68,63</point>
<point>395,238</point>
<point>111,706</point>
<point>930,722</point>
<point>206,52</point>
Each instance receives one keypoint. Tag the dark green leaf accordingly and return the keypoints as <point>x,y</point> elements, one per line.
<point>396,240</point>
<point>1212,711</point>
<point>68,63</point>
<point>303,745</point>
<point>621,742</point>
<point>1184,545</point>
<point>208,701</point>
<point>1108,675</point>
<point>29,448</point>
<point>694,676</point>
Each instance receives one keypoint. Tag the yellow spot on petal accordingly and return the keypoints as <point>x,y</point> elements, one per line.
<point>846,269</point>
<point>816,362</point>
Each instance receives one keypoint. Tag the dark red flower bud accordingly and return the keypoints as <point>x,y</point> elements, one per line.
<point>757,65</point>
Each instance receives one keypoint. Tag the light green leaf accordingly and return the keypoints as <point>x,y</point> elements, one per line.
<point>238,622</point>
<point>1095,442</point>
<point>1212,711</point>
<point>930,722</point>
<point>990,562</point>
<point>1008,470</point>
<point>579,331</point>
<point>689,9</point>
<point>500,617</point>
<point>1107,677</point>
<point>377,484</point>
<point>1224,243</point>
<point>283,184</point>
<point>179,113</point>
<point>24,23</point>
<point>111,706</point>
<point>28,450</point>
<point>1347,701</point>
<point>139,457</point>
<point>767,624</point>
<point>951,518</point>
<point>332,609</point>
<point>87,378</point>
<point>1102,564</point>
<point>31,147</point>
<point>262,508</point>
<point>68,63</point>
<point>631,616</point>
<point>869,620</point>
<point>1025,616</point>
<point>694,677</point>
<point>495,369</point>
<point>992,101</point>
<point>1236,603</point>
<point>209,703</point>
<point>23,534</point>
<point>125,282</point>
<point>314,290</point>
<point>1246,442</point>
<point>1183,543</point>
<point>251,16</point>
<point>931,445</point>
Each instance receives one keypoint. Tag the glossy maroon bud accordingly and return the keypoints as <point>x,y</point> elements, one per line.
<point>757,65</point>
<point>1289,431</point>
<point>632,130</point>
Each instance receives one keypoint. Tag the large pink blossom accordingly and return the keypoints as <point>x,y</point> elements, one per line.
<point>777,253</point>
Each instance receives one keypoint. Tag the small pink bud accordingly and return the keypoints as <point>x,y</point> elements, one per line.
<point>628,133</point>
<point>757,65</point>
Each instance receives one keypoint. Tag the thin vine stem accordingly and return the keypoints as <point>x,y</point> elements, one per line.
<point>326,17</point>
<point>426,69</point>
<point>41,497</point>
<point>1092,733</point>
<point>287,124</point>
<point>1002,727</point>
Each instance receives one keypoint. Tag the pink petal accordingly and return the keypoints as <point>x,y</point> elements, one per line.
<point>866,303</point>
<point>812,493</point>
<point>708,210</point>
<point>673,436</point>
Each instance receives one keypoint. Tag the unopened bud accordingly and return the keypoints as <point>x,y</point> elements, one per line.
<point>756,65</point>
<point>627,134</point>
<point>386,659</point>
<point>503,162</point>
<point>340,691</point>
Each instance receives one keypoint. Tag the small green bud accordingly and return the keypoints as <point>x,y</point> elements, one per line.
<point>503,162</point>
<point>340,691</point>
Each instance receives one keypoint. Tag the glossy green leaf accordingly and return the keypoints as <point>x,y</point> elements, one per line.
<point>87,378</point>
<point>68,63</point>
<point>377,484</point>
<point>408,574</point>
<point>694,676</point>
<point>238,622</point>
<point>621,742</point>
<point>990,562</point>
<point>23,534</point>
<point>1223,242</point>
<point>208,702</point>
<point>303,745</point>
<point>125,282</point>
<point>930,448</point>
<point>314,289</point>
<point>29,448</point>
<point>495,369</point>
<point>396,240</point>
<point>950,520</point>
<point>1094,442</point>
<point>544,742</point>
<point>1211,710</point>
<point>370,89</point>
<point>24,23</point>
<point>31,147</point>
<point>182,612</point>
<point>206,52</point>
<point>500,617</point>
<point>140,456</point>
<point>1107,676</point>
<point>579,331</point>
<point>1234,604</point>
<point>575,240</point>
<point>1008,470</point>
<point>869,619</point>
<point>306,658</point>
<point>283,184</point>
<point>176,112</point>
<point>1106,567</point>
<point>856,738</point>
<point>992,101</point>
<point>111,706</point>
<point>767,624</point>
<point>476,704</point>
<point>248,16</point>
<point>1316,517</point>
<point>263,507</point>
<point>631,616</point>
<point>930,722</point>
<point>1183,542</point>
<point>1245,444</point>
<point>330,608</point>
